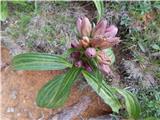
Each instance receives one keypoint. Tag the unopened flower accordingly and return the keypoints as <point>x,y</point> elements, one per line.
<point>104,43</point>
<point>87,67</point>
<point>74,44</point>
<point>111,31</point>
<point>114,40</point>
<point>103,58</point>
<point>84,26</point>
<point>79,63</point>
<point>105,68</point>
<point>84,42</point>
<point>79,25</point>
<point>101,43</point>
<point>90,52</point>
<point>99,28</point>
<point>75,55</point>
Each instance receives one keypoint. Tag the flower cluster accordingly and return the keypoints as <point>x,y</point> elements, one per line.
<point>92,44</point>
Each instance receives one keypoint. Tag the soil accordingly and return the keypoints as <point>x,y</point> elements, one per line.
<point>19,89</point>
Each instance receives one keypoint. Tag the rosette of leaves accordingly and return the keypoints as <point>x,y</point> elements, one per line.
<point>91,56</point>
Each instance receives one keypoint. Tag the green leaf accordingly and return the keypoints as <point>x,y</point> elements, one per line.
<point>109,52</point>
<point>56,91</point>
<point>106,92</point>
<point>100,8</point>
<point>141,46</point>
<point>4,10</point>
<point>132,104</point>
<point>48,91</point>
<point>99,76</point>
<point>39,61</point>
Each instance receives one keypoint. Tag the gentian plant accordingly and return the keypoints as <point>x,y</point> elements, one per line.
<point>90,55</point>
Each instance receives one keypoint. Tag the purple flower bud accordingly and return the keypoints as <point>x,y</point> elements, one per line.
<point>111,31</point>
<point>79,63</point>
<point>100,28</point>
<point>87,67</point>
<point>86,27</point>
<point>90,52</point>
<point>79,25</point>
<point>75,55</point>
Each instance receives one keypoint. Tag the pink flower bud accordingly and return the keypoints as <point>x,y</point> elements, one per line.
<point>90,52</point>
<point>103,58</point>
<point>114,40</point>
<point>74,44</point>
<point>86,27</point>
<point>100,28</point>
<point>111,31</point>
<point>79,25</point>
<point>105,68</point>
<point>79,63</point>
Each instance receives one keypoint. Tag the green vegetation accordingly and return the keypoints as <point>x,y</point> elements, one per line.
<point>100,8</point>
<point>150,102</point>
<point>19,5</point>
<point>46,27</point>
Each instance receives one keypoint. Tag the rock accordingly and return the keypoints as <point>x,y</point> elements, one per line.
<point>104,117</point>
<point>73,111</point>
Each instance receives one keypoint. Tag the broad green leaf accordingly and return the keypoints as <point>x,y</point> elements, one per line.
<point>132,104</point>
<point>99,76</point>
<point>39,61</point>
<point>109,52</point>
<point>48,91</point>
<point>106,92</point>
<point>56,91</point>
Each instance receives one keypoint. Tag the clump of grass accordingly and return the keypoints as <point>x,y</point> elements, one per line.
<point>150,102</point>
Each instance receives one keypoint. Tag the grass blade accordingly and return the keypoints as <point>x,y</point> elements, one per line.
<point>100,8</point>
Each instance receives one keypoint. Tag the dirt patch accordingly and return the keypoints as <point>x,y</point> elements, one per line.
<point>19,89</point>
